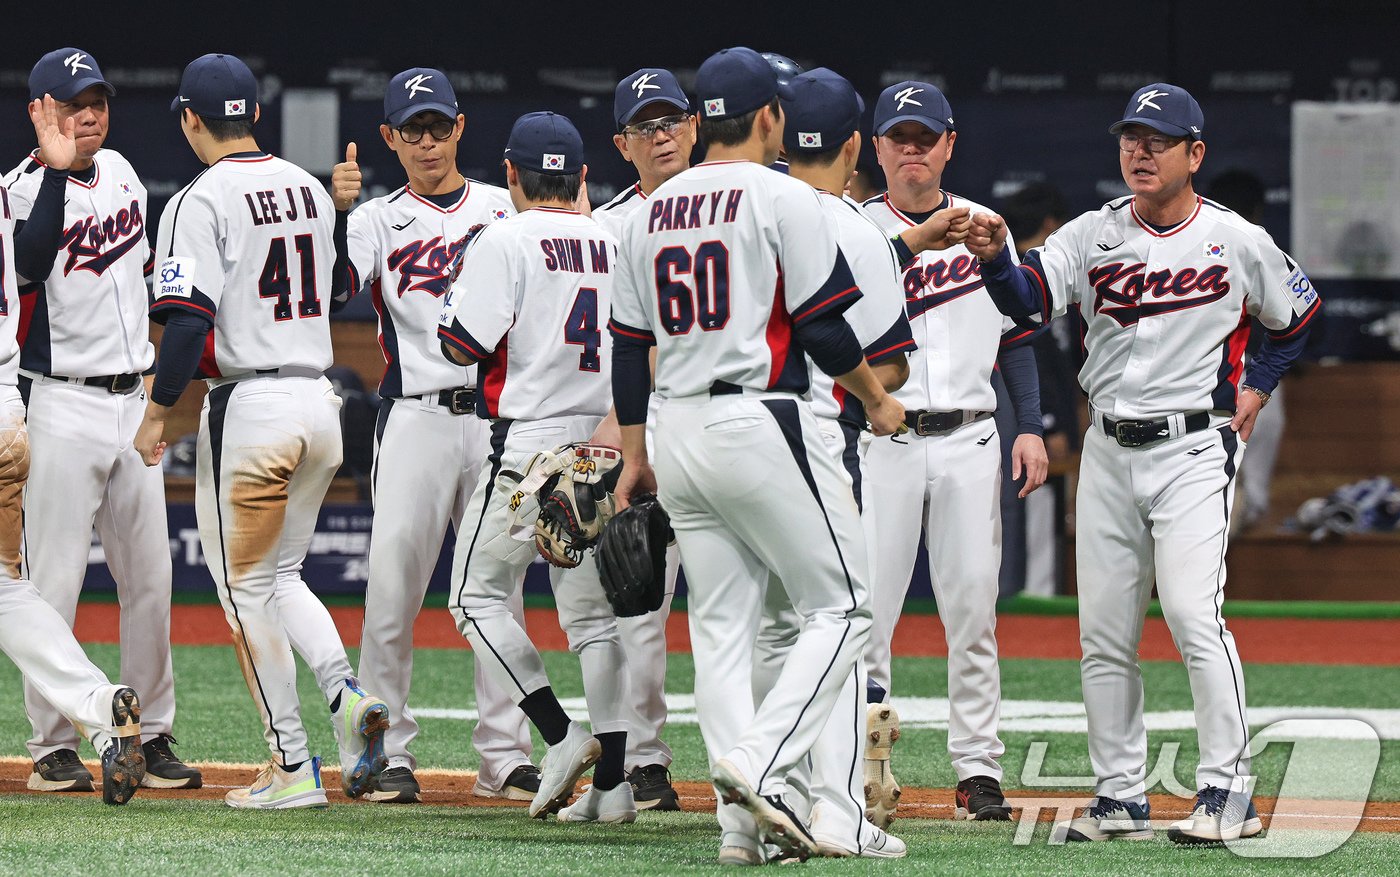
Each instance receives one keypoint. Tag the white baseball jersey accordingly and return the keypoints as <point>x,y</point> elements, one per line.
<point>9,295</point>
<point>614,214</point>
<point>958,329</point>
<point>402,247</point>
<point>554,268</point>
<point>1167,311</point>
<point>726,257</point>
<point>249,244</point>
<point>89,316</point>
<point>878,319</point>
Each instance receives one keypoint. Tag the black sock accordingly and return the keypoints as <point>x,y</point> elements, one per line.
<point>874,691</point>
<point>335,704</point>
<point>549,718</point>
<point>293,768</point>
<point>610,771</point>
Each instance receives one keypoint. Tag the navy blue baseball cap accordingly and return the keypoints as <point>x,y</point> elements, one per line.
<point>646,86</point>
<point>546,143</point>
<point>1167,108</point>
<point>823,112</point>
<point>736,81</point>
<point>913,101</point>
<point>419,90</point>
<point>217,87</point>
<point>65,73</point>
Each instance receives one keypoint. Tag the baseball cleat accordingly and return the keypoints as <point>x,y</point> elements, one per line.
<point>561,768</point>
<point>278,789</point>
<point>123,764</point>
<point>881,790</point>
<point>879,844</point>
<point>613,806</point>
<point>980,798</point>
<point>776,821</point>
<point>394,785</point>
<point>360,721</point>
<point>164,770</point>
<point>652,789</point>
<point>60,771</point>
<point>736,856</point>
<point>1219,816</point>
<point>522,784</point>
<point>1107,819</point>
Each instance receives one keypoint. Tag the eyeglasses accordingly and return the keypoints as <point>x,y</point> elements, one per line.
<point>668,125</point>
<point>412,132</point>
<point>1156,143</point>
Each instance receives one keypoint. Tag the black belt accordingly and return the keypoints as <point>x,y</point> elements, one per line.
<point>1136,433</point>
<point>110,383</point>
<point>933,422</point>
<point>458,400</point>
<point>724,388</point>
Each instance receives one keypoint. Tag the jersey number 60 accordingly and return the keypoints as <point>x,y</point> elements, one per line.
<point>677,305</point>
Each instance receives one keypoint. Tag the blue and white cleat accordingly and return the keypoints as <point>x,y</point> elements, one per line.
<point>360,721</point>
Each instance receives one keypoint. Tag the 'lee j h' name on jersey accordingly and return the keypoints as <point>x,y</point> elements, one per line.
<point>270,207</point>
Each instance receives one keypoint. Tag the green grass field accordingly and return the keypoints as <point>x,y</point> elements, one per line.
<point>217,722</point>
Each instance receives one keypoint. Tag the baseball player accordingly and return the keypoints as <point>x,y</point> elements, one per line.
<point>246,251</point>
<point>945,476</point>
<point>32,633</point>
<point>734,273</point>
<point>656,133</point>
<point>81,249</point>
<point>1166,282</point>
<point>428,449</point>
<point>526,307</point>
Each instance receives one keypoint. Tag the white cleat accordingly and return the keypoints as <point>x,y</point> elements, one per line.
<point>776,821</point>
<point>561,768</point>
<point>881,790</point>
<point>277,789</point>
<point>616,805</point>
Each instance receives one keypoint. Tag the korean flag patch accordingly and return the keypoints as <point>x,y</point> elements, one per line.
<point>552,162</point>
<point>809,139</point>
<point>175,278</point>
<point>235,107</point>
<point>714,106</point>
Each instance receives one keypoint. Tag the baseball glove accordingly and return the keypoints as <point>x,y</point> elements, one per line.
<point>563,499</point>
<point>632,557</point>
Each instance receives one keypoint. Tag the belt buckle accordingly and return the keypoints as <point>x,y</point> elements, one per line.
<point>117,384</point>
<point>1125,432</point>
<point>461,400</point>
<point>925,424</point>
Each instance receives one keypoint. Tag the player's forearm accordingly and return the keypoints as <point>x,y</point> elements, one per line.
<point>892,373</point>
<point>634,445</point>
<point>37,240</point>
<point>1274,358</point>
<point>181,346</point>
<point>1018,370</point>
<point>1010,287</point>
<point>631,380</point>
<point>340,271</point>
<point>863,383</point>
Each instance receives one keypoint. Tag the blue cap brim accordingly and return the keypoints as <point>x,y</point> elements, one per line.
<point>637,107</point>
<point>1154,124</point>
<point>933,125</point>
<point>77,87</point>
<point>407,113</point>
<point>785,91</point>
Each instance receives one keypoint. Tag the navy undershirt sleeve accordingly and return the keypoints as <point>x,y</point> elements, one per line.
<point>181,346</point>
<point>1011,290</point>
<point>1273,359</point>
<point>1018,370</point>
<point>631,379</point>
<point>37,239</point>
<point>828,339</point>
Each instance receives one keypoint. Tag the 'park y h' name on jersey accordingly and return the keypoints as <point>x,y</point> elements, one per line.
<point>248,244</point>
<point>88,317</point>
<point>878,319</point>
<point>1166,313</point>
<point>529,306</point>
<point>958,329</point>
<point>403,247</point>
<point>9,298</point>
<point>725,260</point>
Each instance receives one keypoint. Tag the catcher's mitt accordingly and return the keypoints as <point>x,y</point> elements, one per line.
<point>563,499</point>
<point>632,557</point>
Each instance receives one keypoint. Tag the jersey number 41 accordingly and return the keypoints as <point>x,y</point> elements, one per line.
<point>276,282</point>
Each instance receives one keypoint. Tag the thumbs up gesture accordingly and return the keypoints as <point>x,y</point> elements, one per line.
<point>345,180</point>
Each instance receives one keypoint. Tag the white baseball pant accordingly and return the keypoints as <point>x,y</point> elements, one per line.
<point>427,461</point>
<point>268,448</point>
<point>85,470</point>
<point>948,485</point>
<point>1157,513</point>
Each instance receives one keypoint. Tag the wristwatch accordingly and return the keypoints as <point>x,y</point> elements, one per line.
<point>1263,397</point>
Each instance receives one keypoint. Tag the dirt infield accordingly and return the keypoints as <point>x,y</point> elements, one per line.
<point>453,788</point>
<point>1260,640</point>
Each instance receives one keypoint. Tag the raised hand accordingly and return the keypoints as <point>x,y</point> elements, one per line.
<point>57,146</point>
<point>987,236</point>
<point>345,180</point>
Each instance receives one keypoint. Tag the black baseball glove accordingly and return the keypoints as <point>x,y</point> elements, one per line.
<point>632,557</point>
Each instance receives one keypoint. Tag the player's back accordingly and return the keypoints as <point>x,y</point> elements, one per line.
<point>530,306</point>
<point>255,235</point>
<point>719,261</point>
